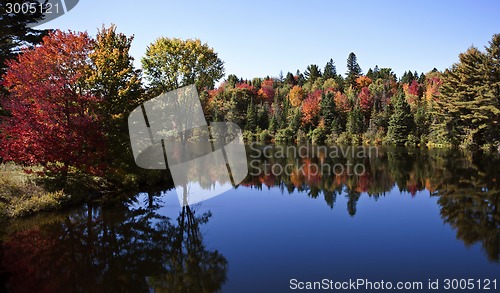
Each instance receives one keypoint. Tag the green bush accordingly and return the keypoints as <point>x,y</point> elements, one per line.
<point>317,136</point>
<point>331,138</point>
<point>265,136</point>
<point>284,135</point>
<point>301,136</point>
<point>248,136</point>
<point>344,138</point>
<point>412,141</point>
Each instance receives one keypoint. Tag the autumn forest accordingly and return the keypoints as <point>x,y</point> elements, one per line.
<point>65,102</point>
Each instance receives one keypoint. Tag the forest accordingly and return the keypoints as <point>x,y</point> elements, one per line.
<point>455,108</point>
<point>65,99</point>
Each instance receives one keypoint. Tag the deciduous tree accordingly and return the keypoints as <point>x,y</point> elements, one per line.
<point>53,115</point>
<point>173,63</point>
<point>296,95</point>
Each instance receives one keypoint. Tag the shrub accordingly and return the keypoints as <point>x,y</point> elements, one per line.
<point>248,136</point>
<point>318,135</point>
<point>412,141</point>
<point>265,136</point>
<point>301,136</point>
<point>344,138</point>
<point>284,135</point>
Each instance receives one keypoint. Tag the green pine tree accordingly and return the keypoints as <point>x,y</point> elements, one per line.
<point>251,118</point>
<point>353,70</point>
<point>355,121</point>
<point>401,122</point>
<point>469,105</point>
<point>327,110</point>
<point>330,70</point>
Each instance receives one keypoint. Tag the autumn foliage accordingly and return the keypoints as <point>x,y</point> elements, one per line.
<point>296,96</point>
<point>53,120</point>
<point>311,108</point>
<point>266,91</point>
<point>365,99</point>
<point>342,102</point>
<point>363,81</point>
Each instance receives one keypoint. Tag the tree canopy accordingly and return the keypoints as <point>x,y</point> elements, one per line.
<point>173,63</point>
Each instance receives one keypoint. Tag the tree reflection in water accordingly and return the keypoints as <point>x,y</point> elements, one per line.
<point>132,247</point>
<point>466,183</point>
<point>120,249</point>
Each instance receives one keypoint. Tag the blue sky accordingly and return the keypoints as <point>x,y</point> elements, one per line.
<point>259,38</point>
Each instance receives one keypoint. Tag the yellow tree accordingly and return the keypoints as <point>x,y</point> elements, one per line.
<point>296,95</point>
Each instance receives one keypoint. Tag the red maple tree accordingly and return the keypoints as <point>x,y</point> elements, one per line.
<point>365,99</point>
<point>311,108</point>
<point>52,113</point>
<point>266,91</point>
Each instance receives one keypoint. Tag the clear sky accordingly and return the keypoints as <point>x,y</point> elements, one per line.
<point>259,38</point>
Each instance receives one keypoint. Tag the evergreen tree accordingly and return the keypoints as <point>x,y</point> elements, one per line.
<point>408,77</point>
<point>327,110</point>
<point>312,73</point>
<point>232,80</point>
<point>330,70</point>
<point>280,77</point>
<point>15,31</point>
<point>370,74</point>
<point>284,113</point>
<point>355,121</point>
<point>422,121</point>
<point>376,72</point>
<point>469,102</point>
<point>251,118</point>
<point>273,124</point>
<point>263,116</point>
<point>401,121</point>
<point>353,69</point>
<point>300,78</point>
<point>290,79</point>
<point>296,117</point>
<point>492,91</point>
<point>421,79</point>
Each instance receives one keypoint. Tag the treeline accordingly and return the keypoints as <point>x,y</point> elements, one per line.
<point>64,102</point>
<point>457,107</point>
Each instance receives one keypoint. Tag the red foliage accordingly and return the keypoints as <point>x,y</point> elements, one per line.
<point>311,172</point>
<point>365,99</point>
<point>364,182</point>
<point>266,91</point>
<point>414,89</point>
<point>434,82</point>
<point>53,116</point>
<point>246,86</point>
<point>342,102</point>
<point>311,108</point>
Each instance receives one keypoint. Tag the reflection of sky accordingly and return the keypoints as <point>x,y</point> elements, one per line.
<point>269,237</point>
<point>196,193</point>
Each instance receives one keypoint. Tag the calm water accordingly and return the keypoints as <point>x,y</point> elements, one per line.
<point>402,215</point>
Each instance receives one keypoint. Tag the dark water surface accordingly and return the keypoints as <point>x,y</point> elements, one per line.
<point>402,215</point>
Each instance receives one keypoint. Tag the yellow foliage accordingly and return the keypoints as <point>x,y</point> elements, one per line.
<point>296,95</point>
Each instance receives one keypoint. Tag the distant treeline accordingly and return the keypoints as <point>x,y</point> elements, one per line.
<point>457,107</point>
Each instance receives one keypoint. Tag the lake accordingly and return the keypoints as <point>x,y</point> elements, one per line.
<point>303,217</point>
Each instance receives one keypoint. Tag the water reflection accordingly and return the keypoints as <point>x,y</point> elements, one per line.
<point>465,183</point>
<point>133,247</point>
<point>122,249</point>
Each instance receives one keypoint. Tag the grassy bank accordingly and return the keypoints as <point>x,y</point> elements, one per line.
<point>23,194</point>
